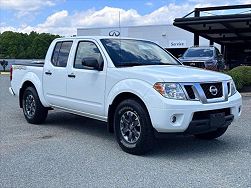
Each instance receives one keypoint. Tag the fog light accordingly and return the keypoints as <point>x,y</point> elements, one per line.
<point>173,119</point>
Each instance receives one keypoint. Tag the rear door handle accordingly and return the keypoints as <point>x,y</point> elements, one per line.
<point>71,75</point>
<point>48,73</point>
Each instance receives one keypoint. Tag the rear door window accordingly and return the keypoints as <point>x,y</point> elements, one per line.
<point>54,58</point>
<point>61,53</point>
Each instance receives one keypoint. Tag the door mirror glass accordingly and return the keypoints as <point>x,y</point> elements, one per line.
<point>91,63</point>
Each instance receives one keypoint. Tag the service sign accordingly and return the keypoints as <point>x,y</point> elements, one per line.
<point>177,44</point>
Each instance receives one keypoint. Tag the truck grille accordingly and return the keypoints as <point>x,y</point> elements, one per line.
<point>195,64</point>
<point>189,91</point>
<point>212,90</point>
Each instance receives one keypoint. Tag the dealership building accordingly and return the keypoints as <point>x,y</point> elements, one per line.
<point>174,39</point>
<point>230,33</point>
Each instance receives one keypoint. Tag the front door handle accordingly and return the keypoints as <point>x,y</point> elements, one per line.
<point>48,73</point>
<point>71,75</point>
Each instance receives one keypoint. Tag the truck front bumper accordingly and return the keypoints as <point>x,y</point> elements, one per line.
<point>209,124</point>
<point>191,117</point>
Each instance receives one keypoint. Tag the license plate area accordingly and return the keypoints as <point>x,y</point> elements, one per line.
<point>217,120</point>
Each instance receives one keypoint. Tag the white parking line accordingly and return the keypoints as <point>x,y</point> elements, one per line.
<point>4,73</point>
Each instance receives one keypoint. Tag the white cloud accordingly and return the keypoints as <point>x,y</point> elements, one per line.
<point>25,7</point>
<point>149,3</point>
<point>63,23</point>
<point>56,19</point>
<point>28,5</point>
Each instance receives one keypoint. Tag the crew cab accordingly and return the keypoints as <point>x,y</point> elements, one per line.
<point>134,85</point>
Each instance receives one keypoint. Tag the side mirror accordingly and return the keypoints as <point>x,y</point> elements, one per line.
<point>91,63</point>
<point>220,55</point>
<point>180,55</point>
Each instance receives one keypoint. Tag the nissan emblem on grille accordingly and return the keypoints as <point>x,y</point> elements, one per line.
<point>213,90</point>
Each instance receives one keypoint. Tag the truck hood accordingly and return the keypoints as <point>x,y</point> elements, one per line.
<point>172,73</point>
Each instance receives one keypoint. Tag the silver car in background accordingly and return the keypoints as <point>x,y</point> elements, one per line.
<point>207,57</point>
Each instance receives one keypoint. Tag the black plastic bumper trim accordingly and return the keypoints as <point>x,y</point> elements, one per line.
<point>205,125</point>
<point>197,127</point>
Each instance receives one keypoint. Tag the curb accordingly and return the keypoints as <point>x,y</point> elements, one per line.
<point>5,73</point>
<point>247,94</point>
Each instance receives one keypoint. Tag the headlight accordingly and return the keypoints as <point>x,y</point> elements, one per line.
<point>170,90</point>
<point>232,88</point>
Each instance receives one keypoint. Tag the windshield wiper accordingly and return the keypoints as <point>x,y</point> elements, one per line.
<point>131,64</point>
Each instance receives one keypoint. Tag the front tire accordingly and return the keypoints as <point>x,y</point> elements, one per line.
<point>34,111</point>
<point>133,129</point>
<point>212,135</point>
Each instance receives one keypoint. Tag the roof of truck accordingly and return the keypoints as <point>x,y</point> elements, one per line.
<point>98,37</point>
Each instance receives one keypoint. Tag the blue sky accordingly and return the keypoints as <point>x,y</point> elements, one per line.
<point>65,16</point>
<point>142,6</point>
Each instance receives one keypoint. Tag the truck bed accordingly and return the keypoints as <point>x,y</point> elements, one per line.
<point>26,70</point>
<point>33,63</point>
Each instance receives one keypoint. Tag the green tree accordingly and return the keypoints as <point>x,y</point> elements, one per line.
<point>25,46</point>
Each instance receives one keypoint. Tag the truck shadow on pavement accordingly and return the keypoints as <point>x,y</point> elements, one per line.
<point>78,123</point>
<point>178,147</point>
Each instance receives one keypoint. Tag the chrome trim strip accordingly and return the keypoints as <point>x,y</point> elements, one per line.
<point>93,116</point>
<point>225,90</point>
<point>200,93</point>
<point>230,91</point>
<point>197,97</point>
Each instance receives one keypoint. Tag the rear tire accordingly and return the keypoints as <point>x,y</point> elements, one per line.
<point>133,128</point>
<point>212,135</point>
<point>34,111</point>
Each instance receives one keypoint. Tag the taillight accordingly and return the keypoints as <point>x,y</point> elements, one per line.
<point>11,70</point>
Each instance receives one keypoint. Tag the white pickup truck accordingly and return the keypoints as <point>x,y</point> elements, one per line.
<point>134,85</point>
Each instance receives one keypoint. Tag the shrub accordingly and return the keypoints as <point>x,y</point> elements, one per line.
<point>241,76</point>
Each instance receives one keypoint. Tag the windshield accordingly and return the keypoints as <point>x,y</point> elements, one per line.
<point>128,52</point>
<point>199,52</point>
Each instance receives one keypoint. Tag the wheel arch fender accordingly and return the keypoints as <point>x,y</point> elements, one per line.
<point>31,79</point>
<point>129,88</point>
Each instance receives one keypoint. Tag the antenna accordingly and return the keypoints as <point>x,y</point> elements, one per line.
<point>119,19</point>
<point>120,35</point>
<point>119,25</point>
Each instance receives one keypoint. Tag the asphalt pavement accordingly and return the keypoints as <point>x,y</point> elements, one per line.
<point>73,151</point>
